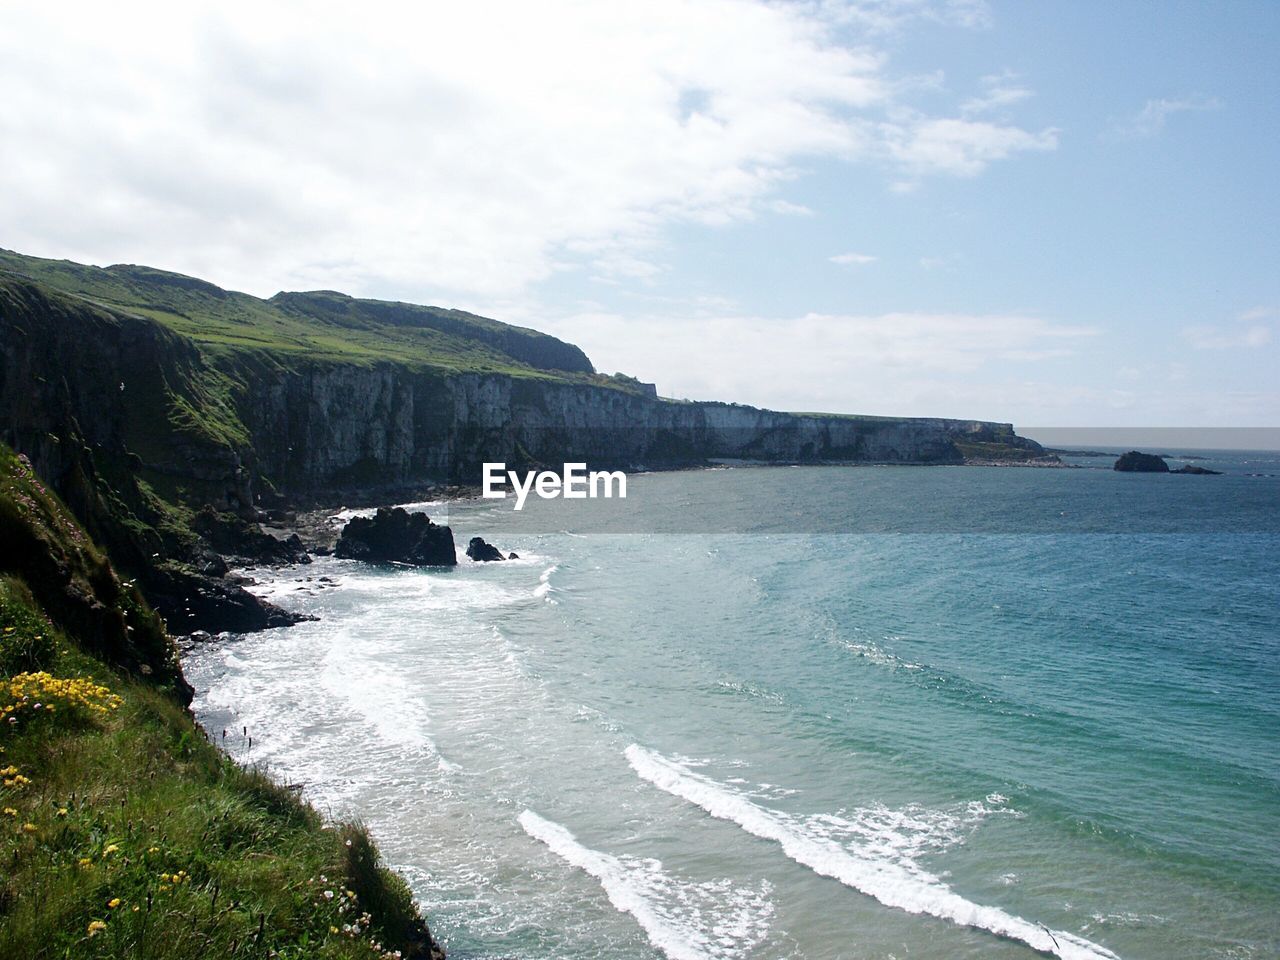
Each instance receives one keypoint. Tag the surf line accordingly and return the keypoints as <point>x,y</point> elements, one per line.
<point>678,939</point>
<point>890,883</point>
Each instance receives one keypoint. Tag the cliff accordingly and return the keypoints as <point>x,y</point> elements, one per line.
<point>126,833</point>
<point>142,395</point>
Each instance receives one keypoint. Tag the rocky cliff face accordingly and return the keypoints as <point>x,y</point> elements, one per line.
<point>128,423</point>
<point>328,426</point>
<point>228,426</point>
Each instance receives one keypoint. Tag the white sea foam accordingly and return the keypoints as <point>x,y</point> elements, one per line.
<point>882,868</point>
<point>380,696</point>
<point>686,920</point>
<point>544,581</point>
<point>878,656</point>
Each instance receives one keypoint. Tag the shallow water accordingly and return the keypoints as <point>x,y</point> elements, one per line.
<point>793,742</point>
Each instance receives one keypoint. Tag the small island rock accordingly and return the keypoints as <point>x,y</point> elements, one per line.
<point>1135,462</point>
<point>477,549</point>
<point>1199,471</point>
<point>394,535</point>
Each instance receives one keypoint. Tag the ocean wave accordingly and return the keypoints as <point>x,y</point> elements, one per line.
<point>686,920</point>
<point>544,581</point>
<point>874,855</point>
<point>878,656</point>
<point>746,688</point>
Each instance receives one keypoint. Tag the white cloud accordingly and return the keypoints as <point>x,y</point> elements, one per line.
<point>1259,313</point>
<point>958,147</point>
<point>853,259</point>
<point>1151,119</point>
<point>895,363</point>
<point>1248,330</point>
<point>788,209</point>
<point>1000,91</point>
<point>1208,337</point>
<point>620,264</point>
<point>433,150</point>
<point>889,16</point>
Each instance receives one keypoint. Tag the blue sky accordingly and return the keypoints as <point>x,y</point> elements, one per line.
<point>1055,213</point>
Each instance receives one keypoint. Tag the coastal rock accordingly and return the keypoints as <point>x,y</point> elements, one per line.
<point>190,601</point>
<point>237,537</point>
<point>513,555</point>
<point>1135,462</point>
<point>1199,471</point>
<point>483,552</point>
<point>393,535</point>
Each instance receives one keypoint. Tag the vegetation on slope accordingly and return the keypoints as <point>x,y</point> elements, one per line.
<point>123,832</point>
<point>321,325</point>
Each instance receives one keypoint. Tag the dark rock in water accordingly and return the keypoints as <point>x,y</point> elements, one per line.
<point>513,555</point>
<point>394,535</point>
<point>1135,462</point>
<point>477,549</point>
<point>1201,471</point>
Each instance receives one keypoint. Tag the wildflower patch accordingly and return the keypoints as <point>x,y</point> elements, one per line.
<point>41,697</point>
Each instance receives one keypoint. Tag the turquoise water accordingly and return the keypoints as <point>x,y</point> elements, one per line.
<point>796,742</point>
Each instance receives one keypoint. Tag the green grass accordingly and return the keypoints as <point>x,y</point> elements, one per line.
<point>983,450</point>
<point>124,833</point>
<point>26,636</point>
<point>115,808</point>
<point>317,326</point>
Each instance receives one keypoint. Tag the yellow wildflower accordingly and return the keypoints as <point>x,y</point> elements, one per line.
<point>113,903</point>
<point>96,927</point>
<point>10,812</point>
<point>29,828</point>
<point>62,811</point>
<point>110,848</point>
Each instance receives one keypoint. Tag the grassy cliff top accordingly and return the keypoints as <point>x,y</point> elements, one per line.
<point>319,324</point>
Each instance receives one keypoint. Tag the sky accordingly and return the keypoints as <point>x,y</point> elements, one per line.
<point>1060,213</point>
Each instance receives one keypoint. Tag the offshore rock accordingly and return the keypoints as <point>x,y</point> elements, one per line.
<point>1135,462</point>
<point>393,535</point>
<point>483,552</point>
<point>1198,471</point>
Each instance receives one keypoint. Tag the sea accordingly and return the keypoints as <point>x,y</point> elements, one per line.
<point>805,712</point>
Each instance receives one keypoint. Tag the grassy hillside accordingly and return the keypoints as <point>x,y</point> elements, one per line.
<point>123,832</point>
<point>321,325</point>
